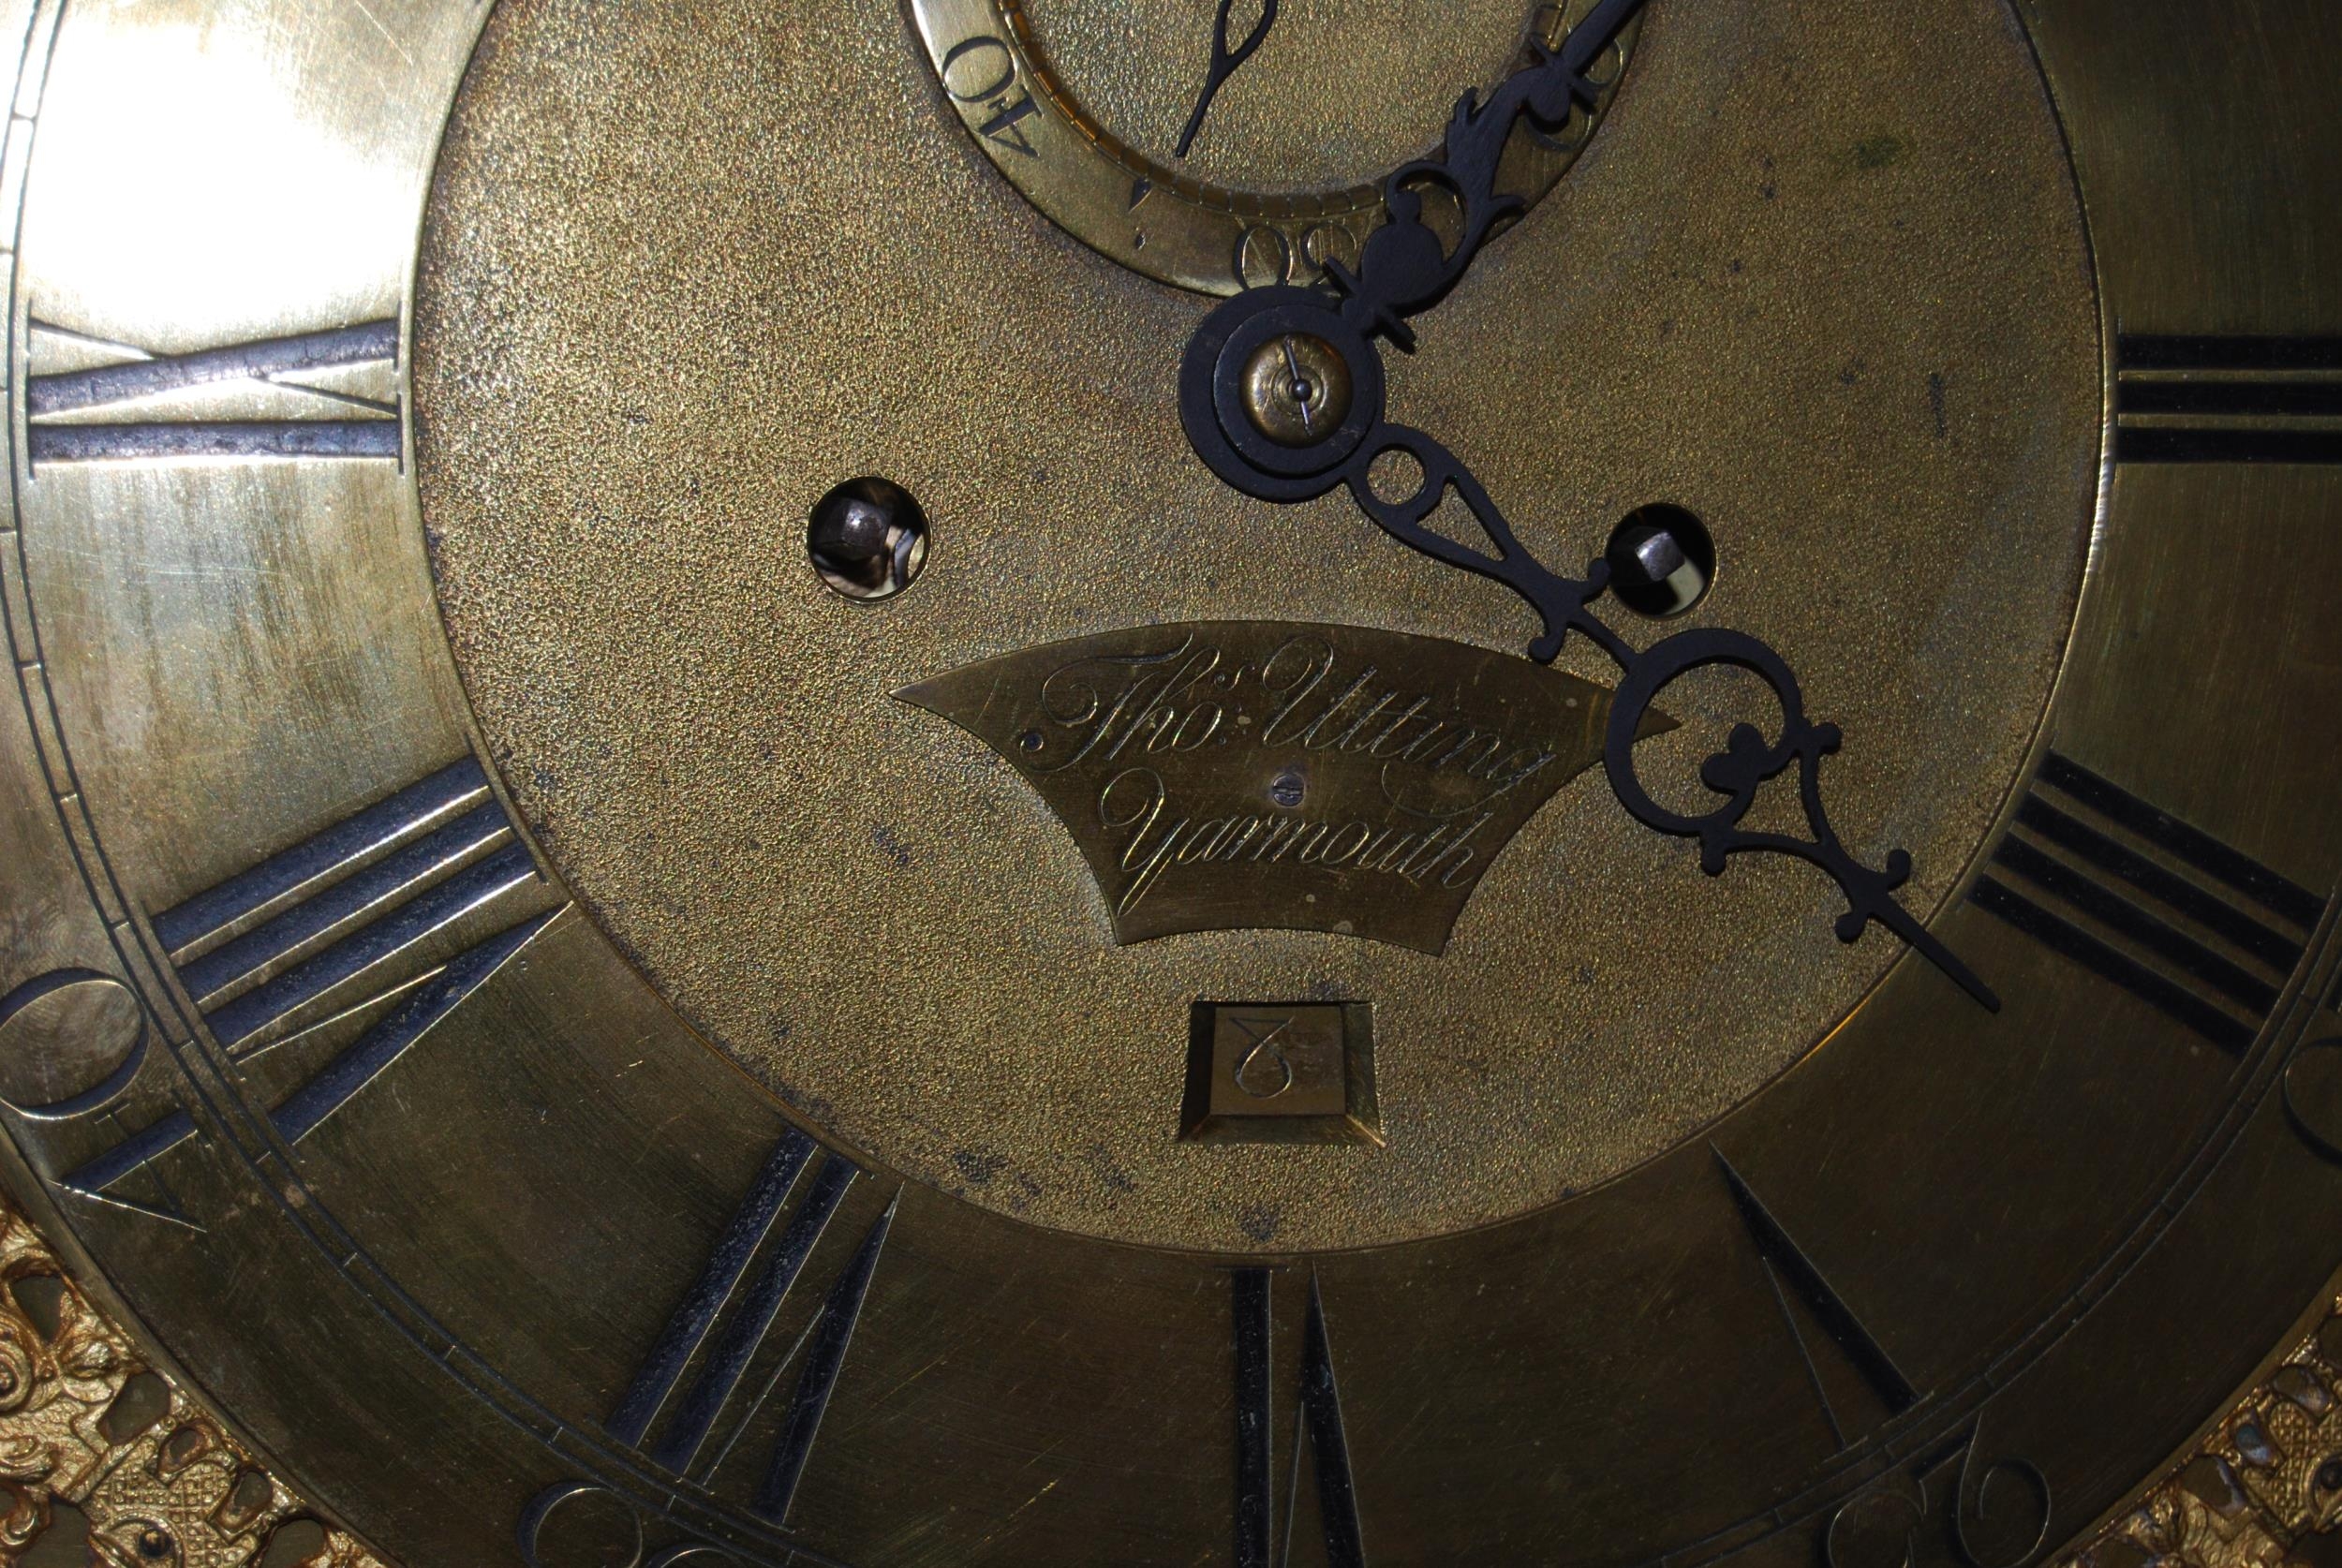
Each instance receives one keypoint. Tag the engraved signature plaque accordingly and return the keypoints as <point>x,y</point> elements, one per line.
<point>1233,775</point>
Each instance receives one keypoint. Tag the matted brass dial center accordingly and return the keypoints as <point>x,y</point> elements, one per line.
<point>1296,390</point>
<point>1088,940</point>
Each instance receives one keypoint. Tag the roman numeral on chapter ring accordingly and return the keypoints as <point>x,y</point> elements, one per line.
<point>2169,914</point>
<point>335,925</point>
<point>257,950</point>
<point>1262,1540</point>
<point>1855,1382</point>
<point>712,1372</point>
<point>2227,399</point>
<point>331,393</point>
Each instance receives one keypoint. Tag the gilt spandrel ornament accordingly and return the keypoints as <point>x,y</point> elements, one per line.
<point>107,1462</point>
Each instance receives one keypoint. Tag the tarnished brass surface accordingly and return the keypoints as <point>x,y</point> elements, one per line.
<point>1250,775</point>
<point>2263,1488</point>
<point>501,1000</point>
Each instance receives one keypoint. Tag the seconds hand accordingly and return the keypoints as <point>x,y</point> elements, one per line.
<point>1404,268</point>
<point>1225,62</point>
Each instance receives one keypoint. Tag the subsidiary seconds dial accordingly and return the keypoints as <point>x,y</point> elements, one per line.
<point>1262,161</point>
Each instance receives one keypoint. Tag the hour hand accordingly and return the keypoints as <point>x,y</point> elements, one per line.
<point>1283,397</point>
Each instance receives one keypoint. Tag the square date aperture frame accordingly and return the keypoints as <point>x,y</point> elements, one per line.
<point>1281,1073</point>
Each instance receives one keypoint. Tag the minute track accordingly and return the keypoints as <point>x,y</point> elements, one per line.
<point>1405,269</point>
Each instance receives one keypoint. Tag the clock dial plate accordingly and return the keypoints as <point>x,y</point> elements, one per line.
<point>520,1013</point>
<point>873,911</point>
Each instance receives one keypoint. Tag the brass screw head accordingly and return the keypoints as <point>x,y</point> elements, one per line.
<point>1296,390</point>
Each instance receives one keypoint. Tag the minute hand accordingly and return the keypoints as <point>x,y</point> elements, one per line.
<point>1403,269</point>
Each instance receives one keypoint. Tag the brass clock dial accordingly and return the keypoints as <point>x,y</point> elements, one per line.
<point>1243,784</point>
<point>621,578</point>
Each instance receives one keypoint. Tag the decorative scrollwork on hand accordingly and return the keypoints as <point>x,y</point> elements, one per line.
<point>1405,269</point>
<point>1747,762</point>
<point>1561,602</point>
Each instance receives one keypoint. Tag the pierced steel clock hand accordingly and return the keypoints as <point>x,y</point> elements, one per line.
<point>1258,339</point>
<point>1405,268</point>
<point>1226,61</point>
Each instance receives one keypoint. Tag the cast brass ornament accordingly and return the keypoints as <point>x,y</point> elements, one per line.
<point>1225,784</point>
<point>146,1473</point>
<point>2263,1488</point>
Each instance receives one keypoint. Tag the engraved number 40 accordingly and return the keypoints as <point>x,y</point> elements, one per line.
<point>982,71</point>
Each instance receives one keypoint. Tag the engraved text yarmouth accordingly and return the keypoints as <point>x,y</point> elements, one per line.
<point>1438,774</point>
